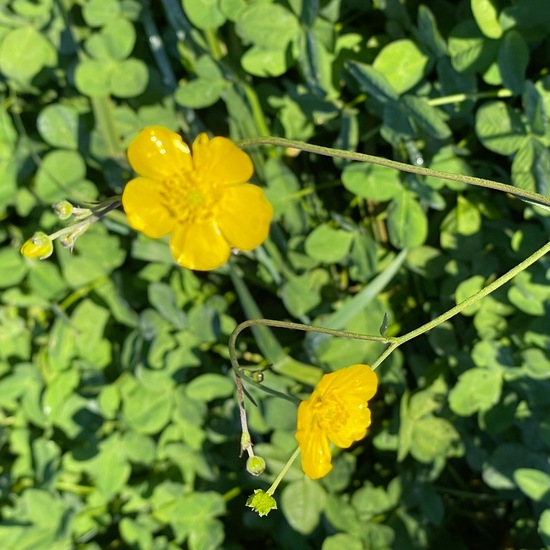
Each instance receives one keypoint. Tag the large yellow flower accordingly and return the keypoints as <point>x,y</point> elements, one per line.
<point>201,197</point>
<point>337,411</point>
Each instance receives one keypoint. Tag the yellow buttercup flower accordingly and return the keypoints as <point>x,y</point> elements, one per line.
<point>200,196</point>
<point>337,411</point>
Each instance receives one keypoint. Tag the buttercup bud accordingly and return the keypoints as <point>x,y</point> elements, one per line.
<point>255,465</point>
<point>63,210</point>
<point>38,246</point>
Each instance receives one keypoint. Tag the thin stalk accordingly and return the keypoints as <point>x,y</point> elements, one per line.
<point>464,304</point>
<point>535,198</point>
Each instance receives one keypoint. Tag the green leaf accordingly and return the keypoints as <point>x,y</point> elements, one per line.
<point>204,14</point>
<point>146,409</point>
<point>100,12</point>
<point>199,93</point>
<point>342,540</point>
<point>92,78</point>
<point>530,167</point>
<point>486,16</point>
<point>115,41</point>
<point>269,26</point>
<point>163,298</point>
<point>58,126</point>
<point>499,127</point>
<point>513,59</point>
<point>303,293</point>
<point>544,527</point>
<point>470,51</point>
<point>12,267</point>
<point>302,502</point>
<point>327,244</point>
<point>478,389</point>
<point>129,78</point>
<point>61,176</point>
<point>372,81</point>
<point>536,363</point>
<point>210,386</point>
<point>402,63</point>
<point>534,483</point>
<point>468,288</point>
<point>371,181</point>
<point>535,108</point>
<point>432,438</point>
<point>428,118</point>
<point>24,52</point>
<point>265,62</point>
<point>407,223</point>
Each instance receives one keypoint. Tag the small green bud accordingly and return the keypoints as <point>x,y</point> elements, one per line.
<point>63,210</point>
<point>255,465</point>
<point>261,502</point>
<point>38,246</point>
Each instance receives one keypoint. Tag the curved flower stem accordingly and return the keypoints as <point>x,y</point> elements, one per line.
<point>463,305</point>
<point>293,326</point>
<point>536,198</point>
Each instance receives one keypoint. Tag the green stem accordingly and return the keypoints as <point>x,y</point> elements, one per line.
<point>420,170</point>
<point>464,304</point>
<point>278,479</point>
<point>293,326</point>
<point>459,98</point>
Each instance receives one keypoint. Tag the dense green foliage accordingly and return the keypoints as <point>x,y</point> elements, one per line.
<point>118,422</point>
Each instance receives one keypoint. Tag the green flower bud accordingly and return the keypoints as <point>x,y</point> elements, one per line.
<point>63,210</point>
<point>255,465</point>
<point>261,502</point>
<point>38,246</point>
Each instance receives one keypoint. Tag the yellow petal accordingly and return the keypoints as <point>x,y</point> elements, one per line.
<point>354,429</point>
<point>244,216</point>
<point>199,246</point>
<point>314,445</point>
<point>355,381</point>
<point>222,160</point>
<point>157,153</point>
<point>144,207</point>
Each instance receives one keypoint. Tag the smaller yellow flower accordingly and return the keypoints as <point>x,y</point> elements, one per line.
<point>337,411</point>
<point>201,196</point>
<point>38,246</point>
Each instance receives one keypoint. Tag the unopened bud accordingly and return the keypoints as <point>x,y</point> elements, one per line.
<point>38,246</point>
<point>255,465</point>
<point>63,210</point>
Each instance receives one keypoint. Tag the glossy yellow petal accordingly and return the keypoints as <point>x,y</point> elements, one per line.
<point>353,429</point>
<point>157,153</point>
<point>357,380</point>
<point>314,445</point>
<point>222,160</point>
<point>144,206</point>
<point>244,216</point>
<point>199,246</point>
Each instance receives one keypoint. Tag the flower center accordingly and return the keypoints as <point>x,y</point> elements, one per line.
<point>190,197</point>
<point>329,413</point>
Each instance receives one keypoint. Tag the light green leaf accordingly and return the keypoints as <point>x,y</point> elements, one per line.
<point>370,181</point>
<point>402,63</point>
<point>372,81</point>
<point>478,389</point>
<point>327,244</point>
<point>204,14</point>
<point>499,128</point>
<point>486,16</point>
<point>58,126</point>
<point>302,503</point>
<point>24,52</point>
<point>407,223</point>
<point>129,78</point>
<point>210,386</point>
<point>265,62</point>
